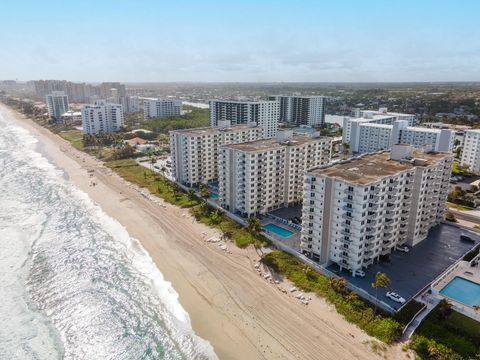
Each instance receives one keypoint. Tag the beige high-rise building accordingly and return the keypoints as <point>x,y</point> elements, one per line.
<point>263,175</point>
<point>359,209</point>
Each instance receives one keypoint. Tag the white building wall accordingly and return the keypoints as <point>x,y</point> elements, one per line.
<point>471,150</point>
<point>57,104</point>
<point>161,108</point>
<point>102,117</point>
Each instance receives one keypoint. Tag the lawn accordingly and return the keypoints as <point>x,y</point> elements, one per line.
<point>155,183</point>
<point>454,337</point>
<point>75,137</point>
<point>458,207</point>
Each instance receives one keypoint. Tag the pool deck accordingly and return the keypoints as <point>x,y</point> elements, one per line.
<point>464,270</point>
<point>292,241</point>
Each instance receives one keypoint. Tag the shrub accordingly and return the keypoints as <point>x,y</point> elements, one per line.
<point>450,217</point>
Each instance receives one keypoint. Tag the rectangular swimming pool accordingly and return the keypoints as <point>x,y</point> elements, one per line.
<point>462,290</point>
<point>280,231</point>
<point>213,195</point>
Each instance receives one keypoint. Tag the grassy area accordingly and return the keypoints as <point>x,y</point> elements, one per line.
<point>452,337</point>
<point>230,228</point>
<point>155,183</point>
<point>458,207</point>
<point>195,118</point>
<point>354,309</point>
<point>75,137</point>
<point>170,192</point>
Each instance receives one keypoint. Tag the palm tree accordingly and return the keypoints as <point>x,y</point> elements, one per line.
<point>381,281</point>
<point>204,191</point>
<point>191,194</point>
<point>254,226</point>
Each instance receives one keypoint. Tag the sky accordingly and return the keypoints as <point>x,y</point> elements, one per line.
<point>241,41</point>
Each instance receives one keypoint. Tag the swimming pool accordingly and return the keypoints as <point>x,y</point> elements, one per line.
<point>278,230</point>
<point>462,290</point>
<point>213,195</point>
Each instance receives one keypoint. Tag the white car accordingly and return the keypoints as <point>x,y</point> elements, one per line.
<point>359,273</point>
<point>403,248</point>
<point>395,297</point>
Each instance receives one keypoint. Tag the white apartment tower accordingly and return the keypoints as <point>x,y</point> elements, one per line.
<point>263,175</point>
<point>471,150</point>
<point>371,137</point>
<point>264,113</point>
<point>161,108</point>
<point>194,152</point>
<point>102,117</point>
<point>57,104</point>
<point>382,116</point>
<point>356,210</point>
<point>301,110</point>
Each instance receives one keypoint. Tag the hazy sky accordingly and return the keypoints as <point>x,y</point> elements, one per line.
<point>244,40</point>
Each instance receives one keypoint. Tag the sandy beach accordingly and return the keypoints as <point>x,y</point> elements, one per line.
<point>239,312</point>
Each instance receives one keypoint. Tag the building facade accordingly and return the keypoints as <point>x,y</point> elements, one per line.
<point>102,117</point>
<point>471,150</point>
<point>359,209</point>
<point>371,137</point>
<point>264,113</point>
<point>57,104</point>
<point>301,110</point>
<point>263,175</point>
<point>382,116</point>
<point>161,108</point>
<point>194,152</point>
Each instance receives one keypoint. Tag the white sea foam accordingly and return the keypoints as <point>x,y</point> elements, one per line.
<point>76,284</point>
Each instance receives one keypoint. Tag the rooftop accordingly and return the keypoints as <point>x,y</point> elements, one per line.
<point>213,130</point>
<point>272,144</point>
<point>370,168</point>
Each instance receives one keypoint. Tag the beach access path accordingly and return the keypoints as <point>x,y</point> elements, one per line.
<point>239,312</point>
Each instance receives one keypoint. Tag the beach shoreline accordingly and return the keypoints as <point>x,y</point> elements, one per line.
<point>240,313</point>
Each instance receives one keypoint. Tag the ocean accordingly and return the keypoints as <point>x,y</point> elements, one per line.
<point>73,283</point>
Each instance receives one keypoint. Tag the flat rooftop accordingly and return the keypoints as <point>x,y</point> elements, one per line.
<point>370,168</point>
<point>213,130</point>
<point>272,144</point>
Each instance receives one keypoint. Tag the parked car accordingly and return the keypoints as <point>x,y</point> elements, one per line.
<point>466,238</point>
<point>359,273</point>
<point>395,297</point>
<point>403,248</point>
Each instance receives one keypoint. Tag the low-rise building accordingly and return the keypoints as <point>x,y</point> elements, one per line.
<point>264,113</point>
<point>102,117</point>
<point>161,108</point>
<point>260,176</point>
<point>357,210</point>
<point>194,152</point>
<point>471,150</point>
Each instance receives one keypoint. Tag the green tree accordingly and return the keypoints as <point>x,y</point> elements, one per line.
<point>381,281</point>
<point>191,194</point>
<point>204,191</point>
<point>444,309</point>
<point>254,226</point>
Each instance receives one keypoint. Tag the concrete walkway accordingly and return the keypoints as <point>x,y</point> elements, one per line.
<point>430,304</point>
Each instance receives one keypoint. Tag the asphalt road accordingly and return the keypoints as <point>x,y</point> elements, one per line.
<point>464,215</point>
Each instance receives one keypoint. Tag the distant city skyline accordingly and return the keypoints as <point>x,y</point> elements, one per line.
<point>247,41</point>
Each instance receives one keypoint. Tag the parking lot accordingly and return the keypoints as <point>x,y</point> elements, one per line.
<point>410,272</point>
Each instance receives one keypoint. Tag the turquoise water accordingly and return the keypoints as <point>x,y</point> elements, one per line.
<point>465,291</point>
<point>214,195</point>
<point>278,230</point>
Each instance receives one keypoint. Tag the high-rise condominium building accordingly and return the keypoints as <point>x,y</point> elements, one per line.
<point>301,110</point>
<point>471,150</point>
<point>263,175</point>
<point>264,113</point>
<point>195,151</point>
<point>102,117</point>
<point>359,209</point>
<point>161,108</point>
<point>130,104</point>
<point>382,116</point>
<point>57,104</point>
<point>371,137</point>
